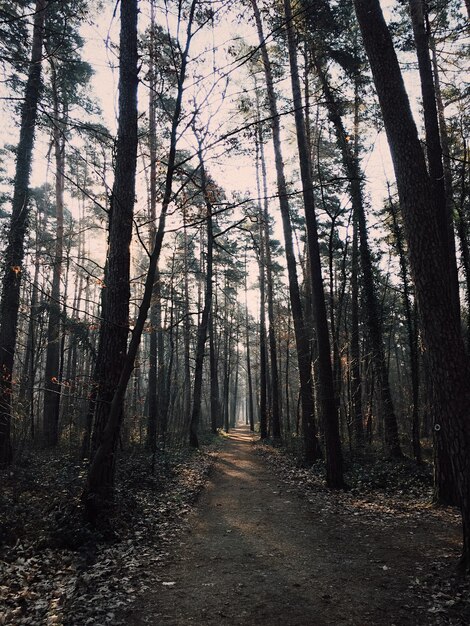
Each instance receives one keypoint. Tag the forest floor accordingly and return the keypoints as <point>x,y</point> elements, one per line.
<point>267,544</point>
<point>237,534</point>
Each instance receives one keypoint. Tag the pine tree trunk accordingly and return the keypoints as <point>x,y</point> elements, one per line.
<point>264,217</point>
<point>463,233</point>
<point>461,220</point>
<point>162,365</point>
<point>204,324</point>
<point>52,383</point>
<point>261,255</point>
<point>235,389</point>
<point>312,450</point>
<point>115,329</point>
<point>433,143</point>
<point>353,171</point>
<point>442,339</point>
<point>214,375</point>
<point>29,368</point>
<point>249,379</point>
<point>356,383</point>
<point>14,253</point>
<point>326,392</point>
<point>226,367</point>
<point>153,353</point>
<point>186,327</point>
<point>412,332</point>
<point>100,481</point>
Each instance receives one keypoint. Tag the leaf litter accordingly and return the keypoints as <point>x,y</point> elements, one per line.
<point>56,571</point>
<point>395,497</point>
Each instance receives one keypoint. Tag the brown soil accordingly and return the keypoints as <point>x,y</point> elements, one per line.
<point>257,553</point>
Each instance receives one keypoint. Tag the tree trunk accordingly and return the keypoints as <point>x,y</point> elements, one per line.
<point>114,333</point>
<point>52,382</point>
<point>412,332</point>
<point>312,450</point>
<point>204,324</point>
<point>186,326</point>
<point>353,171</point>
<point>14,253</point>
<point>226,367</point>
<point>100,481</point>
<point>249,379</point>
<point>433,143</point>
<point>356,383</point>
<point>449,367</point>
<point>153,352</point>
<point>463,231</point>
<point>214,391</point>
<point>265,236</point>
<point>29,367</point>
<point>263,365</point>
<point>326,392</point>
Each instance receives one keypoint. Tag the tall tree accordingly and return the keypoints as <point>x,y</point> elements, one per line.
<point>100,481</point>
<point>312,449</point>
<point>433,142</point>
<point>116,310</point>
<point>14,253</point>
<point>69,77</point>
<point>206,312</point>
<point>353,170</point>
<point>262,267</point>
<point>326,389</point>
<point>442,338</point>
<point>155,311</point>
<point>265,249</point>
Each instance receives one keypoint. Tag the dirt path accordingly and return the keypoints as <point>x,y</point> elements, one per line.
<point>258,554</point>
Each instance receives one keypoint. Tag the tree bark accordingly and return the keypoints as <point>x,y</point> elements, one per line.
<point>326,392</point>
<point>249,378</point>
<point>312,450</point>
<point>263,364</point>
<point>353,171</point>
<point>115,325</point>
<point>204,324</point>
<point>356,383</point>
<point>14,253</point>
<point>52,381</point>
<point>265,237</point>
<point>412,333</point>
<point>449,367</point>
<point>433,143</point>
<point>154,322</point>
<point>100,481</point>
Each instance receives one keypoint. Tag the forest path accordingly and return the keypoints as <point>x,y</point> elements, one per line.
<point>256,553</point>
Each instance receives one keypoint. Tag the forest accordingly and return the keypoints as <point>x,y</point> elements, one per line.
<point>234,312</point>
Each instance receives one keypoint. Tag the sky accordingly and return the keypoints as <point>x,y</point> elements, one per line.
<point>235,173</point>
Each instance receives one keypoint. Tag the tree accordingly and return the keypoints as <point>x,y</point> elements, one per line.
<point>326,391</point>
<point>433,142</point>
<point>67,71</point>
<point>442,337</point>
<point>114,332</point>
<point>14,253</point>
<point>353,171</point>
<point>100,482</point>
<point>312,450</point>
<point>206,312</point>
